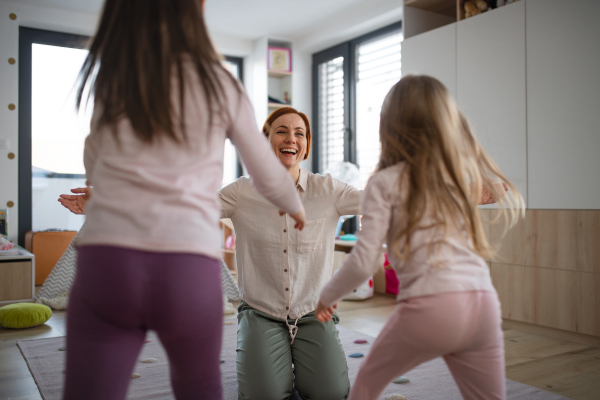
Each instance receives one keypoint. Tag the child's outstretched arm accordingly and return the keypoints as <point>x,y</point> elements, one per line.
<point>76,202</point>
<point>360,265</point>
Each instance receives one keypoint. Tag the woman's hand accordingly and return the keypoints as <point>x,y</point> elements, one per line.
<point>299,217</point>
<point>323,313</point>
<point>76,202</point>
<point>487,197</point>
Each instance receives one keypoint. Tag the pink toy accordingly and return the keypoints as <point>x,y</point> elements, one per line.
<point>5,244</point>
<point>392,284</point>
<point>230,242</point>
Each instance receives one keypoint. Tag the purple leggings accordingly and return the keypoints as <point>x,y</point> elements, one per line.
<point>119,294</point>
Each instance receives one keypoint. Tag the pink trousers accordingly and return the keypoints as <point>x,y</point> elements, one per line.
<point>462,327</point>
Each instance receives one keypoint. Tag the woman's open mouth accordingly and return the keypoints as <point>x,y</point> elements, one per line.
<point>288,152</point>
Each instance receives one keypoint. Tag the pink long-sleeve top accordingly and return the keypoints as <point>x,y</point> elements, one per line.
<point>163,197</point>
<point>453,267</point>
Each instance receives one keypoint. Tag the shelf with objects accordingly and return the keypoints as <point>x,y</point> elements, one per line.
<point>279,81</point>
<point>229,245</point>
<point>425,15</point>
<point>17,275</point>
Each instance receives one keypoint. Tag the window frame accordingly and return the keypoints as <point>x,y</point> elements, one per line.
<point>348,51</point>
<point>239,61</point>
<point>27,38</point>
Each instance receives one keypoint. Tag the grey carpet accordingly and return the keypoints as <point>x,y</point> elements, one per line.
<point>431,380</point>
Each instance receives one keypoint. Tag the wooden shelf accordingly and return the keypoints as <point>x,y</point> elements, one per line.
<point>279,74</point>
<point>278,105</point>
<point>444,7</point>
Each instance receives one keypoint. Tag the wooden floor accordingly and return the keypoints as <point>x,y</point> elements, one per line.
<point>569,367</point>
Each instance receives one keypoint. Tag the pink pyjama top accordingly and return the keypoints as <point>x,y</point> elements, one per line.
<point>163,197</point>
<point>383,217</point>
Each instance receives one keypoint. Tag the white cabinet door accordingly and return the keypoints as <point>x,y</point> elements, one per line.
<point>491,86</point>
<point>432,53</point>
<point>563,103</point>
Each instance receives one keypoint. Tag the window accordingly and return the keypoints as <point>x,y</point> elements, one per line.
<point>350,82</point>
<point>52,133</point>
<point>232,167</point>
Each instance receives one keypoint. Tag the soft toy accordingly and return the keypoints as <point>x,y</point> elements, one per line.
<point>5,244</point>
<point>482,5</point>
<point>475,7</point>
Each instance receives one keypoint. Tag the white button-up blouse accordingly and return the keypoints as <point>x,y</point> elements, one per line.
<point>282,270</point>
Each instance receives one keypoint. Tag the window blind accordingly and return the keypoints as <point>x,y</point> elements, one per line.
<point>331,109</point>
<point>378,65</point>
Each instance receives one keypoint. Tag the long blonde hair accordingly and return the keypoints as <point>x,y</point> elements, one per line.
<point>445,165</point>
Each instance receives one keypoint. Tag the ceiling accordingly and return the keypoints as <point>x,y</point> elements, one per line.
<point>248,19</point>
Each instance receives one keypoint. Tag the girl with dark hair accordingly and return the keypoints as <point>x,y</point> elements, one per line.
<point>149,256</point>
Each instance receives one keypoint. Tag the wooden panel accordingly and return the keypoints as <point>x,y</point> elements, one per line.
<point>548,297</point>
<point>490,79</point>
<point>15,280</point>
<point>597,301</point>
<point>417,21</point>
<point>432,53</point>
<point>563,93</point>
<point>561,239</point>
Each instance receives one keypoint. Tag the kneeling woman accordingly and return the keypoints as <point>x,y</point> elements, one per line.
<point>281,344</point>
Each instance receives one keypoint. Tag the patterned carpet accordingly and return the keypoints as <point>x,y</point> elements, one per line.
<point>431,380</point>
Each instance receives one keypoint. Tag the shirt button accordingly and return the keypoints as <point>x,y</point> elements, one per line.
<point>285,270</point>
<point>285,251</point>
<point>287,308</point>
<point>285,230</point>
<point>286,289</point>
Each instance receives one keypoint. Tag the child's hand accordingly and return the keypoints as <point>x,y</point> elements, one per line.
<point>76,202</point>
<point>488,198</point>
<point>299,217</point>
<point>323,313</point>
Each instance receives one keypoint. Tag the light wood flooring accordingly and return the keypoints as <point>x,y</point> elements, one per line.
<point>555,361</point>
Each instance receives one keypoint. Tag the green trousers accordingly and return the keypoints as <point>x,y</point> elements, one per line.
<point>265,357</point>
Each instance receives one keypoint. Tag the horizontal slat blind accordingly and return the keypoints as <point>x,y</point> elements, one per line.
<point>378,67</point>
<point>331,109</point>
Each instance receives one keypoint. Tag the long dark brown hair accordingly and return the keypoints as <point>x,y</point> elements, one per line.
<point>446,167</point>
<point>140,46</point>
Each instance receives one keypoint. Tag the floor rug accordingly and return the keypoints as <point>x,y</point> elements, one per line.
<point>431,380</point>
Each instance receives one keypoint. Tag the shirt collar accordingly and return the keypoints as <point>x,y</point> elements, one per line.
<point>303,179</point>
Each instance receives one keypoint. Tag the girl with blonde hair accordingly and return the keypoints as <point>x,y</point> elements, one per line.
<point>422,202</point>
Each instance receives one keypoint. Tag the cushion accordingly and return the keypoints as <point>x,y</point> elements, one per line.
<point>24,315</point>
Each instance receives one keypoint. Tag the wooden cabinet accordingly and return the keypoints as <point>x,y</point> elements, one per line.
<point>563,97</point>
<point>491,85</point>
<point>17,275</point>
<point>432,53</point>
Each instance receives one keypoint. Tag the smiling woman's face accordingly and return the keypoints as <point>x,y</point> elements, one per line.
<point>288,139</point>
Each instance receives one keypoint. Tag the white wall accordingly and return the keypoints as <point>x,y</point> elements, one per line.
<point>355,22</point>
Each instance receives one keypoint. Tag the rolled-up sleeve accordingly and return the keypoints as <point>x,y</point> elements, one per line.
<point>347,198</point>
<point>228,197</point>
